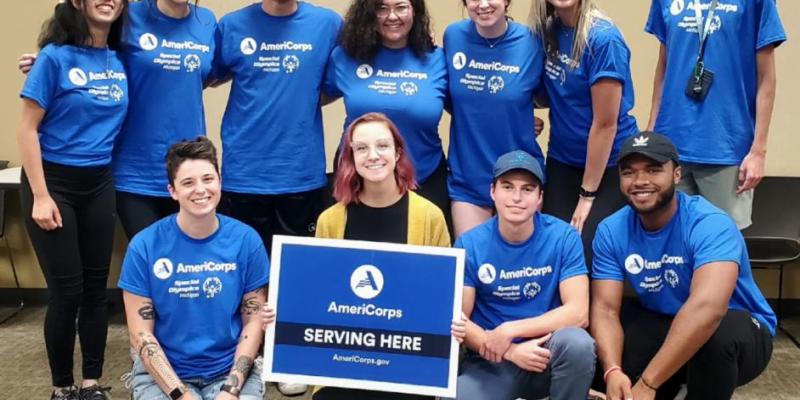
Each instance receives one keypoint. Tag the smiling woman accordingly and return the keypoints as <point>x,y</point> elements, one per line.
<point>374,183</point>
<point>74,101</point>
<point>386,62</point>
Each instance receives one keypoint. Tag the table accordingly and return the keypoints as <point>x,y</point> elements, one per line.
<point>9,180</point>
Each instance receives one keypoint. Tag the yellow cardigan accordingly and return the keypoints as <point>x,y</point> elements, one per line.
<point>426,224</point>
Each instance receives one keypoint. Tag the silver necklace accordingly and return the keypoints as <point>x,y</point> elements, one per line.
<point>495,41</point>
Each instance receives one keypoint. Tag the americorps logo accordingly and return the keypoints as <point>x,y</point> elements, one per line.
<point>248,46</point>
<point>487,273</point>
<point>459,61</point>
<point>635,263</point>
<point>78,77</point>
<point>148,41</point>
<point>364,71</point>
<point>163,268</point>
<point>366,281</point>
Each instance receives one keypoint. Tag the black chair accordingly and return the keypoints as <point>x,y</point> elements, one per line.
<point>10,253</point>
<point>773,241</point>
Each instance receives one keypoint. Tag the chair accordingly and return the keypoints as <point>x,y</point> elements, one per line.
<point>773,241</point>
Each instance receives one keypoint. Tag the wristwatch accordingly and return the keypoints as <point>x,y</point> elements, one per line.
<point>233,390</point>
<point>177,393</point>
<point>585,193</point>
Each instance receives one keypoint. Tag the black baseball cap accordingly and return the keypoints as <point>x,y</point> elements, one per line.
<point>518,159</point>
<point>651,145</point>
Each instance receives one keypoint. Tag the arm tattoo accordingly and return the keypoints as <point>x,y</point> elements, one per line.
<point>155,360</point>
<point>232,380</point>
<point>251,305</point>
<point>243,365</point>
<point>147,312</point>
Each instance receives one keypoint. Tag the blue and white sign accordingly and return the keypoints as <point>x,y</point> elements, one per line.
<point>364,315</point>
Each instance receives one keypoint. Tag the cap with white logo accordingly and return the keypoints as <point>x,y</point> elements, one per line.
<point>651,145</point>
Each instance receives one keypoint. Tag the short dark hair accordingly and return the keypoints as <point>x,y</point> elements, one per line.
<point>198,149</point>
<point>68,26</point>
<point>360,40</point>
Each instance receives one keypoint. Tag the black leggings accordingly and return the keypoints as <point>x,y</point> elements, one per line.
<point>735,354</point>
<point>435,189</point>
<point>75,261</point>
<point>137,211</point>
<point>561,197</point>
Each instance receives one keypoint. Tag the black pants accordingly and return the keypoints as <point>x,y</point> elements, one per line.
<point>137,212</point>
<point>292,214</point>
<point>561,197</point>
<point>735,354</point>
<point>435,189</point>
<point>75,261</point>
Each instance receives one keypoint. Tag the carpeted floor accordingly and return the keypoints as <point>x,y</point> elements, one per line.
<point>24,373</point>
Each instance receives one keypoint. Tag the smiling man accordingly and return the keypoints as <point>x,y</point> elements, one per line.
<point>526,291</point>
<point>699,318</point>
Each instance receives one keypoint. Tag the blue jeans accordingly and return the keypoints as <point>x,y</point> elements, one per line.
<point>144,387</point>
<point>567,377</point>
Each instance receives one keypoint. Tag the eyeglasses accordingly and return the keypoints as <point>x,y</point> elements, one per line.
<point>381,147</point>
<point>401,10</point>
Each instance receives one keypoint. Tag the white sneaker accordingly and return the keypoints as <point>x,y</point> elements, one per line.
<point>292,389</point>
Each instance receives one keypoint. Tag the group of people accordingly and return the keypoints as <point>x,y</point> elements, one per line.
<point>103,103</point>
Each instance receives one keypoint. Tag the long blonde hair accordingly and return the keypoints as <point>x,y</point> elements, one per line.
<point>542,19</point>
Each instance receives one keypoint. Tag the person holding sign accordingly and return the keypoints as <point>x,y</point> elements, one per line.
<point>193,284</point>
<point>526,291</point>
<point>699,317</point>
<point>374,183</point>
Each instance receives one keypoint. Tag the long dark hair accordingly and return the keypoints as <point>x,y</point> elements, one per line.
<point>68,26</point>
<point>361,40</point>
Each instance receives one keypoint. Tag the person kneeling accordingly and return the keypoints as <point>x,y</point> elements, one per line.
<point>193,285</point>
<point>700,317</point>
<point>527,295</point>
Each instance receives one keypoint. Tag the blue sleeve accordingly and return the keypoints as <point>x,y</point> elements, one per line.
<point>656,25</point>
<point>715,238</point>
<point>329,84</point>
<point>573,262</point>
<point>469,264</point>
<point>219,67</point>
<point>604,264</point>
<point>257,273</point>
<point>42,82</point>
<point>608,58</point>
<point>133,277</point>
<point>537,69</point>
<point>770,29</point>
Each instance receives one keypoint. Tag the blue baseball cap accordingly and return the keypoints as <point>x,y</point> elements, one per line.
<point>518,159</point>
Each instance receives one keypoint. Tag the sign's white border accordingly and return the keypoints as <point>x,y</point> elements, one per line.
<point>269,338</point>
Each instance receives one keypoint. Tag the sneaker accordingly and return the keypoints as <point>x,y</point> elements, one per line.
<point>292,389</point>
<point>67,393</point>
<point>95,392</point>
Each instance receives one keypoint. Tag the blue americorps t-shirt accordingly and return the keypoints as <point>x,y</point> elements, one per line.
<point>569,91</point>
<point>168,60</point>
<point>196,287</point>
<point>659,265</point>
<point>84,93</point>
<point>411,91</point>
<point>272,135</point>
<point>720,129</point>
<point>518,281</point>
<point>492,84</point>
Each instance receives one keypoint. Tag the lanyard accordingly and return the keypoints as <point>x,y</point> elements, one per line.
<point>703,33</point>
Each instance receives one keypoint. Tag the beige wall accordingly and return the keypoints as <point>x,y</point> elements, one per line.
<point>18,34</point>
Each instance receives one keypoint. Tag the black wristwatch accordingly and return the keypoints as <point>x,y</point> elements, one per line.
<point>233,390</point>
<point>585,193</point>
<point>177,393</point>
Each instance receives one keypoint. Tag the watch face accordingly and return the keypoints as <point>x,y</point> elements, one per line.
<point>176,393</point>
